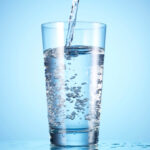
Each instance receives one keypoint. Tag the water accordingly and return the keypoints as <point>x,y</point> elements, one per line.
<point>74,90</point>
<point>72,22</point>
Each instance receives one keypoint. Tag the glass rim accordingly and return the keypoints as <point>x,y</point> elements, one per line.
<point>49,25</point>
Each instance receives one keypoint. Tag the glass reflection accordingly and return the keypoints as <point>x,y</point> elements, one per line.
<point>73,148</point>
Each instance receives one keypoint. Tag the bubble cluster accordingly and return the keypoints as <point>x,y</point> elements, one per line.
<point>72,116</point>
<point>54,83</point>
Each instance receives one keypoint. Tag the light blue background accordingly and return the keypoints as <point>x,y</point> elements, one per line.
<point>126,93</point>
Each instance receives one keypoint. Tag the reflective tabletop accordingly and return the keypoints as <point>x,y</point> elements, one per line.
<point>45,145</point>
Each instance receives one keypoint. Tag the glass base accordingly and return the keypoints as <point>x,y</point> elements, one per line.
<point>84,138</point>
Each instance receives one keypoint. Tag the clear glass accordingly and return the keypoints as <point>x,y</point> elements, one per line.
<point>74,78</point>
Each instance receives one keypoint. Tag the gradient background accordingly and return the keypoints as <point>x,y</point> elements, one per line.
<point>126,92</point>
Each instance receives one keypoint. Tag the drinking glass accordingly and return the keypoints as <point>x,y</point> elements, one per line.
<point>74,77</point>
